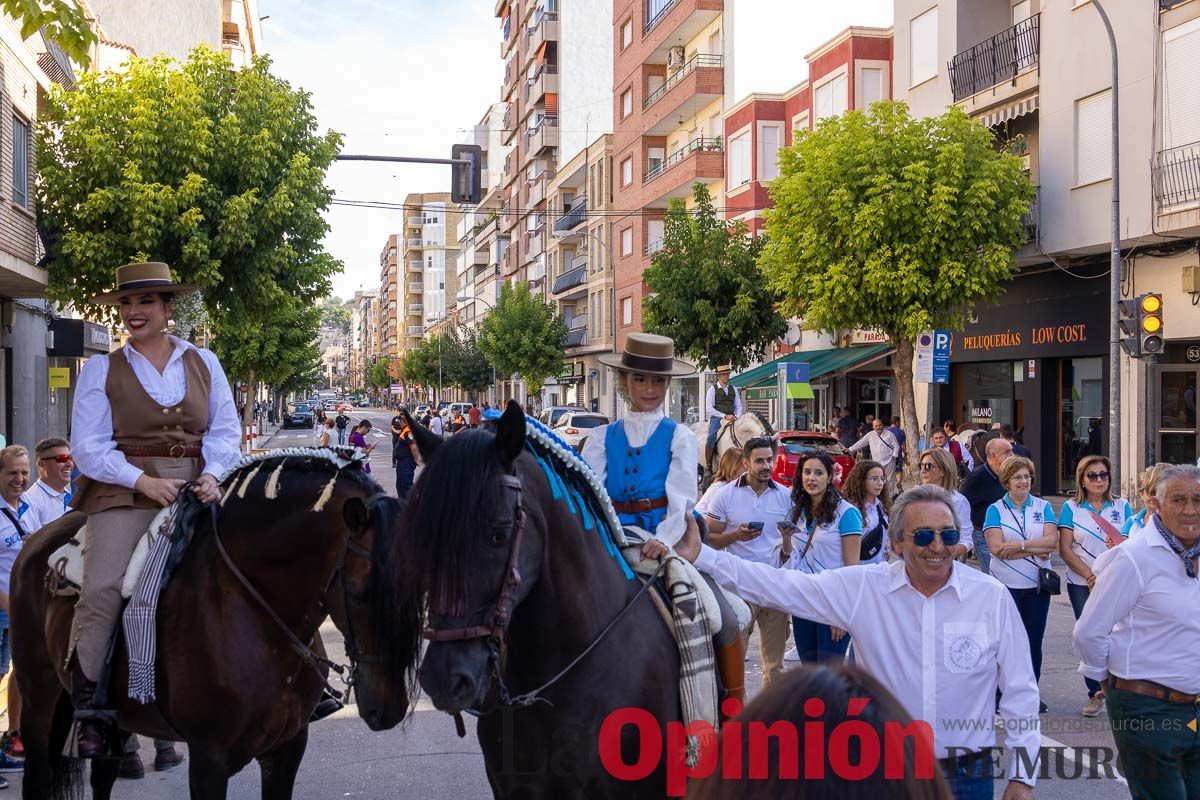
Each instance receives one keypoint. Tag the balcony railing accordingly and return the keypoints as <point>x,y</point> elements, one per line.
<point>416,286</point>
<point>998,59</point>
<point>653,247</point>
<point>415,330</point>
<point>699,60</point>
<point>1177,176</point>
<point>572,218</point>
<point>416,266</point>
<point>416,308</point>
<point>702,143</point>
<point>569,280</point>
<point>414,242</point>
<point>577,337</point>
<point>658,15</point>
<point>416,221</point>
<point>1031,219</point>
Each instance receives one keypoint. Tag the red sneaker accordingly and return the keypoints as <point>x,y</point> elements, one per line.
<point>18,747</point>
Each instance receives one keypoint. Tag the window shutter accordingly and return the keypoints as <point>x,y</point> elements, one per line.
<point>840,94</point>
<point>739,160</point>
<point>768,148</point>
<point>872,86</point>
<point>923,37</point>
<point>1093,138</point>
<point>1181,85</point>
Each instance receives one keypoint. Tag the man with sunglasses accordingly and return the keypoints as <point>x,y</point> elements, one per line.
<point>943,637</point>
<point>48,497</point>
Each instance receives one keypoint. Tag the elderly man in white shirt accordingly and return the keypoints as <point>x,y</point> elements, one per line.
<point>883,448</point>
<point>1140,633</point>
<point>941,636</point>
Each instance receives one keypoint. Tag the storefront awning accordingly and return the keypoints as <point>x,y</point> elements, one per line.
<point>820,362</point>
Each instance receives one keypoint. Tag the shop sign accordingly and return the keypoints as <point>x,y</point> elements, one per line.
<point>571,373</point>
<point>396,388</point>
<point>868,337</point>
<point>763,393</point>
<point>60,377</point>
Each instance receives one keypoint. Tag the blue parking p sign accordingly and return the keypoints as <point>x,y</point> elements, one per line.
<point>941,356</point>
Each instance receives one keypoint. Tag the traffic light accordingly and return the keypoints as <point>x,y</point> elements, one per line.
<point>1150,324</point>
<point>1130,332</point>
<point>465,178</point>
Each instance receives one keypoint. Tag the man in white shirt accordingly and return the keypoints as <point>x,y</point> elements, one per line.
<point>743,519</point>
<point>48,497</point>
<point>1140,632</point>
<point>941,636</point>
<point>435,425</point>
<point>722,403</point>
<point>883,448</point>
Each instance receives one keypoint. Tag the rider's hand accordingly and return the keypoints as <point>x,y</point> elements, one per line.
<point>161,490</point>
<point>689,546</point>
<point>206,489</point>
<point>836,634</point>
<point>653,550</point>
<point>730,417</point>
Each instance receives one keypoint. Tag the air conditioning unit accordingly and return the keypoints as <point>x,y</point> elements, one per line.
<point>675,58</point>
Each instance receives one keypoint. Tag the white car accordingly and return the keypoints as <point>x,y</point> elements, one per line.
<point>574,427</point>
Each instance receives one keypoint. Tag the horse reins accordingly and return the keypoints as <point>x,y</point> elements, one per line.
<point>494,631</point>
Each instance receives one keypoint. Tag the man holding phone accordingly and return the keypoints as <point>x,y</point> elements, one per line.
<point>745,518</point>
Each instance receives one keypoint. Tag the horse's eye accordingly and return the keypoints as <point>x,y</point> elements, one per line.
<point>499,536</point>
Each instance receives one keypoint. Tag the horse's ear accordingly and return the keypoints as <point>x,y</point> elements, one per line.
<point>510,432</point>
<point>354,512</point>
<point>427,441</point>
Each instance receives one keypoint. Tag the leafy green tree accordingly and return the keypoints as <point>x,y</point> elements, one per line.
<point>335,315</point>
<point>379,376</point>
<point>59,21</point>
<point>886,222</point>
<point>420,364</point>
<point>466,365</point>
<point>524,335</point>
<point>709,294</point>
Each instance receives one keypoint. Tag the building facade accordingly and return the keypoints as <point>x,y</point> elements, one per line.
<point>230,26</point>
<point>429,280</point>
<point>391,289</point>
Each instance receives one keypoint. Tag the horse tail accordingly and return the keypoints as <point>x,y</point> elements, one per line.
<point>392,610</point>
<point>66,774</point>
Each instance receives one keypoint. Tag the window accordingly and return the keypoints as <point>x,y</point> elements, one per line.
<point>627,171</point>
<point>770,139</point>
<point>1093,138</point>
<point>923,50</point>
<point>800,122</point>
<point>627,34</point>
<point>655,232</point>
<point>870,84</point>
<point>829,99</point>
<point>1181,85</point>
<point>20,154</point>
<point>626,310</point>
<point>627,241</point>
<point>626,103</point>
<point>739,160</point>
<point>654,159</point>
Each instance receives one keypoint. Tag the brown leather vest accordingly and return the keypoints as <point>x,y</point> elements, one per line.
<point>139,421</point>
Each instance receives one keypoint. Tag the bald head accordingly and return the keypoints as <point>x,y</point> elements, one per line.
<point>997,451</point>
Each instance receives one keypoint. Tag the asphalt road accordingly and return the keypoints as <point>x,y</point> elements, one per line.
<point>424,758</point>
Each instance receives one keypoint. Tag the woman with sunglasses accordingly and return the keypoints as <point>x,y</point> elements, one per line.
<point>1088,524</point>
<point>827,534</point>
<point>864,489</point>
<point>1021,534</point>
<point>937,467</point>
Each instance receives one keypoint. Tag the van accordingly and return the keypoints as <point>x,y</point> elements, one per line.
<point>456,408</point>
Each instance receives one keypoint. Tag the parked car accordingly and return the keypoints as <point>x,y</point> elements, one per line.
<point>419,411</point>
<point>794,444</point>
<point>362,402</point>
<point>458,407</point>
<point>343,406</point>
<point>298,416</point>
<point>551,416</point>
<point>574,426</point>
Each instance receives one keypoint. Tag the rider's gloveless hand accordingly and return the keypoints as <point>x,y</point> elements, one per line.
<point>161,490</point>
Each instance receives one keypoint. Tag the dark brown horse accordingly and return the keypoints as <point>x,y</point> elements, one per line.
<point>231,682</point>
<point>482,506</point>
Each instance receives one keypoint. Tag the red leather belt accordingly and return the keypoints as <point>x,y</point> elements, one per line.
<point>162,450</point>
<point>642,506</point>
<point>1152,689</point>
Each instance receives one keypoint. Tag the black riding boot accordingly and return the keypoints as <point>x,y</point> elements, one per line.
<point>92,729</point>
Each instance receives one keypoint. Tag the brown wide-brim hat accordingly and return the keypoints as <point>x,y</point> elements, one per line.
<point>649,354</point>
<point>151,277</point>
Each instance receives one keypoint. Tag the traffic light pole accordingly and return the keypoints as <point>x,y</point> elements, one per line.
<point>1151,413</point>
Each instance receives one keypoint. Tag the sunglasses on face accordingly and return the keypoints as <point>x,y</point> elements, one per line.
<point>923,537</point>
<point>61,458</point>
<point>1097,476</point>
<point>928,466</point>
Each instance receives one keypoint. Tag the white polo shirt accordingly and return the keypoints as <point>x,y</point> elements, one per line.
<point>1136,525</point>
<point>1088,537</point>
<point>737,503</point>
<point>1140,622</point>
<point>942,656</point>
<point>1017,524</point>
<point>45,505</point>
<point>825,552</point>
<point>11,539</point>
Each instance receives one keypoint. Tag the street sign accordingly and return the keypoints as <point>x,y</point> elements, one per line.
<point>941,356</point>
<point>763,393</point>
<point>396,388</point>
<point>923,370</point>
<point>60,377</point>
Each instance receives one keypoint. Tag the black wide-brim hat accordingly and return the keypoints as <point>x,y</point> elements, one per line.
<point>151,277</point>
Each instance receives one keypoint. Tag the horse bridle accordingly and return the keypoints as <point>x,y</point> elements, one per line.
<point>318,663</point>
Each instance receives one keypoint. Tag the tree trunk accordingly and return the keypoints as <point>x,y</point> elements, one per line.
<point>908,406</point>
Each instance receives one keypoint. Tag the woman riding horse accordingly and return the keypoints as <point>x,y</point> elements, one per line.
<point>147,419</point>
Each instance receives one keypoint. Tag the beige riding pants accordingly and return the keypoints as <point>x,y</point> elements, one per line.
<point>772,639</point>
<point>112,537</point>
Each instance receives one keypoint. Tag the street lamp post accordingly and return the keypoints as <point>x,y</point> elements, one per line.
<point>464,298</point>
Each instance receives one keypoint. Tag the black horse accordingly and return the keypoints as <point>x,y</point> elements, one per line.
<point>514,588</point>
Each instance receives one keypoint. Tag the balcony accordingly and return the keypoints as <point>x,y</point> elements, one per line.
<point>497,251</point>
<point>544,81</point>
<point>650,248</point>
<point>1177,177</point>
<point>416,287</point>
<point>535,190</point>
<point>572,218</point>
<point>533,247</point>
<point>479,256</point>
<point>997,60</point>
<point>670,22</point>
<point>416,222</point>
<point>416,308</point>
<point>414,243</point>
<point>508,35</point>
<point>1031,219</point>
<point>570,279</point>
<point>697,83</point>
<point>699,159</point>
<point>543,29</point>
<point>416,266</point>
<point>542,135</point>
<point>415,330</point>
<point>510,123</point>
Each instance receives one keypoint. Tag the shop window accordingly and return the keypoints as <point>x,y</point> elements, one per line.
<point>1177,430</point>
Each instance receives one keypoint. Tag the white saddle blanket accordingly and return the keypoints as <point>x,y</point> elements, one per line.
<point>67,560</point>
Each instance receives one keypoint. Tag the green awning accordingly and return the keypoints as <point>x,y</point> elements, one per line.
<point>820,362</point>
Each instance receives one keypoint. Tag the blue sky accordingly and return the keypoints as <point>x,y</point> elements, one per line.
<point>399,77</point>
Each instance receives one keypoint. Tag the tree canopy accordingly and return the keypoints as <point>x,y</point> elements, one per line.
<point>334,314</point>
<point>886,222</point>
<point>709,294</point>
<point>466,365</point>
<point>524,335</point>
<point>59,21</point>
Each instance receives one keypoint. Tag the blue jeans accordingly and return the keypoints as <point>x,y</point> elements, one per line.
<point>1079,595</point>
<point>5,656</point>
<point>341,436</point>
<point>970,779</point>
<point>714,425</point>
<point>814,642</point>
<point>1034,607</point>
<point>981,551</point>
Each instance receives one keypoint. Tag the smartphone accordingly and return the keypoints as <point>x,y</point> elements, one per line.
<point>786,525</point>
<point>758,526</point>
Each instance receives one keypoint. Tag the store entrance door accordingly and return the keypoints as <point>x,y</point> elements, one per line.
<point>1178,435</point>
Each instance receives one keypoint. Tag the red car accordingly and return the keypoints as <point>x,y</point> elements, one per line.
<point>794,444</point>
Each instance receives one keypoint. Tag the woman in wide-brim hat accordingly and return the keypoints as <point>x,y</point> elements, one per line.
<point>147,418</point>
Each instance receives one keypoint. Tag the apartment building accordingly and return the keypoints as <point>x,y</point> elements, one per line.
<point>580,264</point>
<point>364,334</point>
<point>429,280</point>
<point>230,26</point>
<point>481,245</point>
<point>391,290</point>
<point>1038,74</point>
